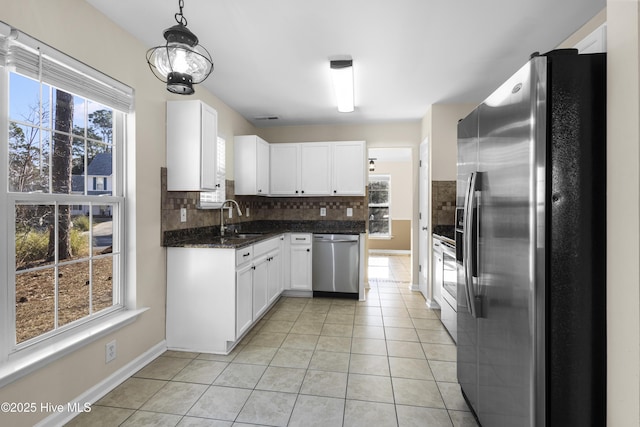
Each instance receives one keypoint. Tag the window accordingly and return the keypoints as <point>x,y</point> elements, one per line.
<point>380,205</point>
<point>65,142</point>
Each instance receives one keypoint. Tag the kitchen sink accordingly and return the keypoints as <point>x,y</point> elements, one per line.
<point>245,235</point>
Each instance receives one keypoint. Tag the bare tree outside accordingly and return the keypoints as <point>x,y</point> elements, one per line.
<point>61,173</point>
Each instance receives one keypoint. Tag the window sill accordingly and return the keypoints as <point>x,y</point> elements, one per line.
<point>25,364</point>
<point>380,237</point>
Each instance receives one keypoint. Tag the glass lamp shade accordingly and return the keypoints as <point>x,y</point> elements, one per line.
<point>180,63</point>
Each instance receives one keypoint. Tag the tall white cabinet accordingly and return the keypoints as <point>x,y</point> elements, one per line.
<point>192,136</point>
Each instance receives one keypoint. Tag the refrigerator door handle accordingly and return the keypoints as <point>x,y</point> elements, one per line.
<point>468,252</point>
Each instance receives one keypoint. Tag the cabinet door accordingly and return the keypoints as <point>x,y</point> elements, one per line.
<point>315,169</point>
<point>262,167</point>
<point>283,168</point>
<point>274,283</point>
<point>438,274</point>
<point>192,131</point>
<point>301,267</point>
<point>260,278</point>
<point>209,135</point>
<point>349,168</point>
<point>244,299</point>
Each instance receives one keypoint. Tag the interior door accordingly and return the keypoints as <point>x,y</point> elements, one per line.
<point>424,279</point>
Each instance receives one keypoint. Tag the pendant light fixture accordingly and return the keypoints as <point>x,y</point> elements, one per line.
<point>181,62</point>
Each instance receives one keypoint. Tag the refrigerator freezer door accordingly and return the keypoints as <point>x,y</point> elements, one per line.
<point>508,145</point>
<point>467,344</point>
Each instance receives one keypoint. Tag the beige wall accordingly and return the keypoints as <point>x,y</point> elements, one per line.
<point>623,212</point>
<point>401,205</point>
<point>75,28</point>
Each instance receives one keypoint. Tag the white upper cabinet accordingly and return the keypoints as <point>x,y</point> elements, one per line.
<point>192,133</point>
<point>251,165</point>
<point>315,169</point>
<point>284,169</point>
<point>349,164</point>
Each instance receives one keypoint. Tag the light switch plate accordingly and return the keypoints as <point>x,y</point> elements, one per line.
<point>349,211</point>
<point>323,211</point>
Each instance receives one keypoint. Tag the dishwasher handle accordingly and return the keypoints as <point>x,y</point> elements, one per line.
<point>335,241</point>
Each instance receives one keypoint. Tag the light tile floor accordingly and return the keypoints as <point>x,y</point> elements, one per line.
<point>386,361</point>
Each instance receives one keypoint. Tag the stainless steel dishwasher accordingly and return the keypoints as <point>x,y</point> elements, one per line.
<point>336,265</point>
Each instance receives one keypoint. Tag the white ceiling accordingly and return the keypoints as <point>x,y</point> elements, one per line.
<point>272,57</point>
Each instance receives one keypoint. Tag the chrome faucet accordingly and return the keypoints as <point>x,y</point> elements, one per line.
<point>222,213</point>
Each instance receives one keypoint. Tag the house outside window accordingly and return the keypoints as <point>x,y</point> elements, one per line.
<point>65,250</point>
<point>380,206</point>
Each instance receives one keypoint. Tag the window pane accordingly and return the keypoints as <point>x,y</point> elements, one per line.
<point>77,167</point>
<point>79,117</point>
<point>35,303</point>
<point>24,102</point>
<point>34,227</point>
<point>100,122</point>
<point>73,292</point>
<point>100,168</point>
<point>102,285</point>
<point>28,159</point>
<point>102,229</point>
<point>378,220</point>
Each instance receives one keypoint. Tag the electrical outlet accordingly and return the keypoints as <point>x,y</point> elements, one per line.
<point>183,214</point>
<point>323,211</point>
<point>110,349</point>
<point>349,211</point>
<point>247,212</point>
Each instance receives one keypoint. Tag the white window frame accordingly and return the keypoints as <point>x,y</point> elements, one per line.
<point>381,177</point>
<point>17,360</point>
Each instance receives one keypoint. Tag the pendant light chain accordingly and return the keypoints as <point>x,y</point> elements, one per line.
<point>180,19</point>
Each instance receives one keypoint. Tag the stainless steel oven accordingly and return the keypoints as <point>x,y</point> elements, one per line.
<point>448,311</point>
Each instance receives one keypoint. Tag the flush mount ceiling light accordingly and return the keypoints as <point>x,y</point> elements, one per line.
<point>181,62</point>
<point>342,77</point>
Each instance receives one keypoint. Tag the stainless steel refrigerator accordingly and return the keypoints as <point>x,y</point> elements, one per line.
<point>530,240</point>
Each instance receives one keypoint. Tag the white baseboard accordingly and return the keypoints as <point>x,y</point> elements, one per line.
<point>96,392</point>
<point>415,287</point>
<point>390,251</point>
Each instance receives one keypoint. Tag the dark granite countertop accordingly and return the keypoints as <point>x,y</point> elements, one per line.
<point>247,233</point>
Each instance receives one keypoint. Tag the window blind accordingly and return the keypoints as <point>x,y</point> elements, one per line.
<point>32,58</point>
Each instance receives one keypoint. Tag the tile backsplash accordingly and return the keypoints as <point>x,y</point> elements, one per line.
<point>443,203</point>
<point>257,208</point>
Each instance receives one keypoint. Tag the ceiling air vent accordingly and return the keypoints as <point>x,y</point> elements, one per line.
<point>266,118</point>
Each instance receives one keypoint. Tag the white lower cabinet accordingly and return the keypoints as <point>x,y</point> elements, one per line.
<point>300,253</point>
<point>260,283</point>
<point>244,299</point>
<point>215,295</point>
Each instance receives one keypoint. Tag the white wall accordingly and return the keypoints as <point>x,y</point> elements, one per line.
<point>77,29</point>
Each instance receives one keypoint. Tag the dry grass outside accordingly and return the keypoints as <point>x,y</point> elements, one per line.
<point>35,296</point>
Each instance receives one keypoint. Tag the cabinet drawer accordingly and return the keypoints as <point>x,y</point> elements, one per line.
<point>244,255</point>
<point>300,239</point>
<point>265,246</point>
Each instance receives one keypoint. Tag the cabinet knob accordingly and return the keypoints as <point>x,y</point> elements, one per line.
<point>296,191</point>
<point>335,191</point>
<point>218,185</point>
<point>308,250</point>
<point>302,191</point>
